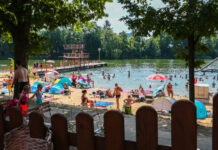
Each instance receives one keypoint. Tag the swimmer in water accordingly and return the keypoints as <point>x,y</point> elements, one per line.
<point>108,76</point>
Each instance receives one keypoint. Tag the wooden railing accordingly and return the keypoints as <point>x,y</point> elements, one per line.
<point>184,129</point>
<point>76,55</point>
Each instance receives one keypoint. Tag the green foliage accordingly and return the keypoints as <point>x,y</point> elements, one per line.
<point>24,19</point>
<point>114,46</point>
<point>179,19</point>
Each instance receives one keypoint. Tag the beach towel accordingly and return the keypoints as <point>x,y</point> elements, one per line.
<point>4,91</point>
<point>103,104</point>
<point>126,92</point>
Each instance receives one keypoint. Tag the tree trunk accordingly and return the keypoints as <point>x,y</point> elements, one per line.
<point>21,48</point>
<point>191,49</point>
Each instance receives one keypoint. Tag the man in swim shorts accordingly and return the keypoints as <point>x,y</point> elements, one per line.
<point>128,105</point>
<point>117,93</point>
<point>21,79</point>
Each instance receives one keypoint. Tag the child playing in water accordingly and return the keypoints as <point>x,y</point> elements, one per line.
<point>84,98</point>
<point>128,103</point>
<point>38,94</point>
<point>23,100</point>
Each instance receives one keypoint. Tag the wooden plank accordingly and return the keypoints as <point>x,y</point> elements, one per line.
<point>184,127</point>
<point>2,130</point>
<point>85,132</point>
<point>60,132</point>
<point>146,129</point>
<point>16,117</point>
<point>114,130</point>
<point>215,123</point>
<point>36,125</point>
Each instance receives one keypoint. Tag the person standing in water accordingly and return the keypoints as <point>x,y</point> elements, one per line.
<point>170,89</point>
<point>117,93</point>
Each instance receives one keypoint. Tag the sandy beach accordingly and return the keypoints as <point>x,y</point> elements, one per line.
<point>74,99</point>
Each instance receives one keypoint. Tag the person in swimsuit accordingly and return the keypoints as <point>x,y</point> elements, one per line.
<point>84,98</point>
<point>117,93</point>
<point>74,79</point>
<point>21,79</point>
<point>170,89</point>
<point>38,94</point>
<point>128,105</point>
<point>23,100</point>
<point>9,85</point>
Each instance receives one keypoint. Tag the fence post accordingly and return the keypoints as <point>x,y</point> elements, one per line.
<point>114,130</point>
<point>184,127</point>
<point>85,132</point>
<point>146,129</point>
<point>215,122</point>
<point>2,130</point>
<point>36,125</point>
<point>59,132</point>
<point>16,117</point>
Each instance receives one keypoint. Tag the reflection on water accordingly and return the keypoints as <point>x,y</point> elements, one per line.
<point>139,70</point>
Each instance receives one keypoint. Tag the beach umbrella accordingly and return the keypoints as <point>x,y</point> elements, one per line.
<point>50,61</point>
<point>156,77</point>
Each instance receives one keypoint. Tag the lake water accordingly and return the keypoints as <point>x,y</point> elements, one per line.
<point>140,69</point>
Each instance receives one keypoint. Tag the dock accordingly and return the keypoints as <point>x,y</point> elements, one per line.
<point>72,68</point>
<point>205,68</point>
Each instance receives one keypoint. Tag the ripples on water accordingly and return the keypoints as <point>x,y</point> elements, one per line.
<point>140,69</point>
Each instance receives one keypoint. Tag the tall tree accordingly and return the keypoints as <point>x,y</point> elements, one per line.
<point>107,25</point>
<point>24,18</point>
<point>187,19</point>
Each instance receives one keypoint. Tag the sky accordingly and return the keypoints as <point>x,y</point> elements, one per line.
<point>115,12</point>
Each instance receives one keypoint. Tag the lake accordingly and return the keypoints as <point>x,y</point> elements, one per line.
<point>140,69</point>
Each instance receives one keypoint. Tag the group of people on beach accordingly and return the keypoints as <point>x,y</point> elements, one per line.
<point>22,89</point>
<point>20,80</point>
<point>117,94</point>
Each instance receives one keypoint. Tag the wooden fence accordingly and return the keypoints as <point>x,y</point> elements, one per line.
<point>184,129</point>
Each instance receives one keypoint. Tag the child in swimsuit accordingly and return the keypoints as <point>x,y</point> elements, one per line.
<point>24,97</point>
<point>128,105</point>
<point>38,94</point>
<point>9,85</point>
<point>84,98</point>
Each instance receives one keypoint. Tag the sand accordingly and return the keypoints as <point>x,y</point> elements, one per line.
<point>74,99</point>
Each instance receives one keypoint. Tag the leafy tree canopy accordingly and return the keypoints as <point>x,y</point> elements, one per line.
<point>177,18</point>
<point>184,20</point>
<point>23,19</point>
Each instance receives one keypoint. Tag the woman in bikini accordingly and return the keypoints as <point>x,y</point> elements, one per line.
<point>84,98</point>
